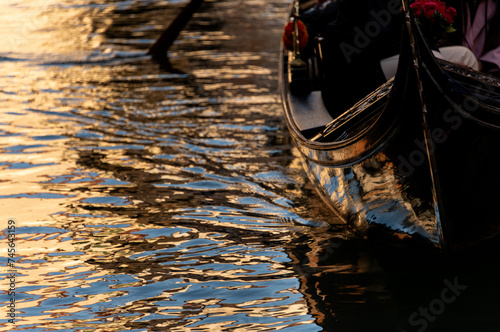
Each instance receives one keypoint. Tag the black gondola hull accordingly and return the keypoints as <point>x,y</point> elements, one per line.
<point>410,163</point>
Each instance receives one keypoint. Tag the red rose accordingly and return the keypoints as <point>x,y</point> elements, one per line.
<point>417,8</point>
<point>288,36</point>
<point>450,14</point>
<point>441,7</point>
<point>434,18</point>
<point>429,9</point>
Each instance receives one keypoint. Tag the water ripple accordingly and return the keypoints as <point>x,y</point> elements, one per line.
<point>168,197</point>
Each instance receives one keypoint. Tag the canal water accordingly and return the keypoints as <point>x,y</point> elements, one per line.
<point>138,195</point>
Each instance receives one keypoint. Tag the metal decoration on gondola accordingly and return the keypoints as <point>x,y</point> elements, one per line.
<point>297,61</point>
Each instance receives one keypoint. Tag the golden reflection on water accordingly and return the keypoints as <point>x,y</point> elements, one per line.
<point>49,28</point>
<point>65,274</point>
<point>142,198</point>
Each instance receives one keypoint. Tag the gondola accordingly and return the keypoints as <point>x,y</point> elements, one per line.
<point>411,163</point>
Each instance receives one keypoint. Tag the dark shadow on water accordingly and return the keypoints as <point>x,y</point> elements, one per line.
<point>164,64</point>
<point>357,285</point>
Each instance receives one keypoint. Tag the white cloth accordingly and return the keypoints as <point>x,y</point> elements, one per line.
<point>459,55</point>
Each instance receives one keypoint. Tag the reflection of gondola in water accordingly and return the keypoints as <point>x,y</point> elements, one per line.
<point>411,161</point>
<point>355,285</point>
<point>342,282</point>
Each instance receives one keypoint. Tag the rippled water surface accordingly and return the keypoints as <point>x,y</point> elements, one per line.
<point>168,197</point>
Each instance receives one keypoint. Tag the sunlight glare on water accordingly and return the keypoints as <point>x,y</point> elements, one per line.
<point>146,198</point>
